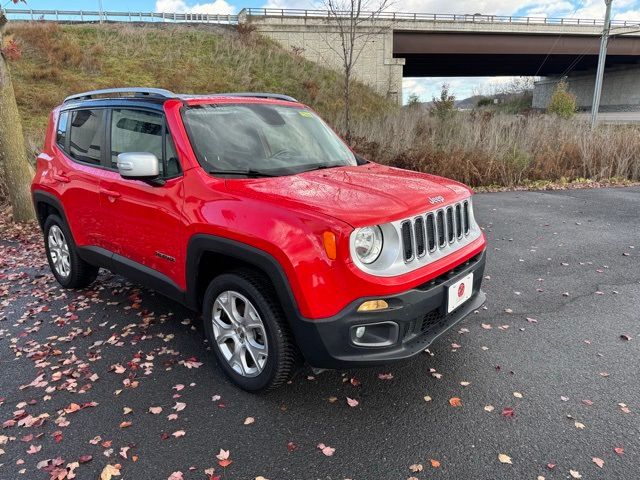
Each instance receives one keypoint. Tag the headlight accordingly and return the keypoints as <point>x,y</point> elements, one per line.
<point>368,244</point>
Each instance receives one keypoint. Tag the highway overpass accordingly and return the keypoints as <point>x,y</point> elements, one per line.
<point>425,45</point>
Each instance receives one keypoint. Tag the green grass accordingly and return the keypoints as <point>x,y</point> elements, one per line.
<point>59,60</point>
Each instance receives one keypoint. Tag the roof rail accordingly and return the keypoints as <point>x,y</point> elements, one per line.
<point>136,91</point>
<point>275,96</point>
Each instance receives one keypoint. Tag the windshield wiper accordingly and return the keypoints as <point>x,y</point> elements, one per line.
<point>322,166</point>
<point>247,173</point>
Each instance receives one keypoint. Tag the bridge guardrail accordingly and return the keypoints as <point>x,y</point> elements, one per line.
<point>444,17</point>
<point>107,16</point>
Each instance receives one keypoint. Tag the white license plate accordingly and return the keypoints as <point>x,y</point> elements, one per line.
<point>460,292</point>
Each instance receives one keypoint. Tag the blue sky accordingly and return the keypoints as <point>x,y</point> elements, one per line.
<point>425,88</point>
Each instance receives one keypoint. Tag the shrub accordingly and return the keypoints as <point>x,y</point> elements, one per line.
<point>445,106</point>
<point>485,102</point>
<point>563,102</point>
<point>413,101</point>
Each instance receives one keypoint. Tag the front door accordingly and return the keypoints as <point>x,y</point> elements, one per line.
<point>146,220</point>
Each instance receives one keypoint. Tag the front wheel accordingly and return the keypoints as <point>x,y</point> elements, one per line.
<point>248,332</point>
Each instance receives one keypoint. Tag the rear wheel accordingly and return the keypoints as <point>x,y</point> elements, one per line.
<point>67,266</point>
<point>248,332</point>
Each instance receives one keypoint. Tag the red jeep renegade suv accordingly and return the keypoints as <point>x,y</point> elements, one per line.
<point>248,208</point>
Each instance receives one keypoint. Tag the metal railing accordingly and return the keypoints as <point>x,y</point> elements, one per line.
<point>106,16</point>
<point>433,17</point>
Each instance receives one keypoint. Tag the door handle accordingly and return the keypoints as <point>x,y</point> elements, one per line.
<point>61,178</point>
<point>111,193</point>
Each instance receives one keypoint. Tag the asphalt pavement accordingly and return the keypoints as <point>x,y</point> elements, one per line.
<point>546,376</point>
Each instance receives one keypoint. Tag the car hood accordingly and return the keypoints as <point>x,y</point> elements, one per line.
<point>362,195</point>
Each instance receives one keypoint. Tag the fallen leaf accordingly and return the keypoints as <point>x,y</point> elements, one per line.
<point>504,458</point>
<point>579,425</point>
<point>598,461</point>
<point>179,433</point>
<point>34,449</point>
<point>110,471</point>
<point>508,412</point>
<point>434,463</point>
<point>85,458</point>
<point>416,467</point>
<point>575,474</point>
<point>619,450</point>
<point>326,450</point>
<point>517,394</point>
<point>249,420</point>
<point>455,402</point>
<point>155,410</point>
<point>352,402</point>
<point>385,376</point>
<point>176,476</point>
<point>179,406</point>
<point>489,408</point>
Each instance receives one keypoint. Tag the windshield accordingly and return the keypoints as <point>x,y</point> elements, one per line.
<point>263,140</point>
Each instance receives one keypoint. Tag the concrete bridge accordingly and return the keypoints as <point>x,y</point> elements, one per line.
<point>425,45</point>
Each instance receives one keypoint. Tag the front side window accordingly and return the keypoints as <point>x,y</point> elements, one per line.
<point>263,139</point>
<point>136,131</point>
<point>85,136</point>
<point>143,131</point>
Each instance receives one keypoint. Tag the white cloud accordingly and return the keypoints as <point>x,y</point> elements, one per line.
<point>221,7</point>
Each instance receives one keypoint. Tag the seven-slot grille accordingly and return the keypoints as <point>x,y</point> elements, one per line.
<point>435,230</point>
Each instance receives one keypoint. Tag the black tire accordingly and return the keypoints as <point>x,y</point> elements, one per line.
<point>81,274</point>
<point>283,355</point>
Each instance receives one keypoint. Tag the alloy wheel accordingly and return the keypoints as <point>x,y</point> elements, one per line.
<point>239,333</point>
<point>59,251</point>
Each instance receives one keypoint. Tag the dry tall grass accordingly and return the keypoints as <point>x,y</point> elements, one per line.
<point>481,148</point>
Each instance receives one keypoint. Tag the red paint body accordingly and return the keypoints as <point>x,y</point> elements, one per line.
<point>284,216</point>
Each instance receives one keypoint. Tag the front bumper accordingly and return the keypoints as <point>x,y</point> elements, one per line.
<point>421,315</point>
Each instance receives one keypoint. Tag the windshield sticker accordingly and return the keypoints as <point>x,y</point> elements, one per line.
<point>306,114</point>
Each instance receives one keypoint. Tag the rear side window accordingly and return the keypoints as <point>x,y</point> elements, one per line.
<point>86,136</point>
<point>61,132</point>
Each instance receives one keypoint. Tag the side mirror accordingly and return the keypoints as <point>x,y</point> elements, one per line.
<point>139,166</point>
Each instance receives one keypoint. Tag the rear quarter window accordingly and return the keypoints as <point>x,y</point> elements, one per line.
<point>61,131</point>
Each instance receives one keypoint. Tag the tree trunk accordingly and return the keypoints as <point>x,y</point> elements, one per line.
<point>14,165</point>
<point>347,107</point>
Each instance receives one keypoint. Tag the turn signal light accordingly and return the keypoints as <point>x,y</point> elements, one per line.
<point>373,305</point>
<point>329,241</point>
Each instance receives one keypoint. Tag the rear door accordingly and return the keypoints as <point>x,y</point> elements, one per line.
<point>146,221</point>
<point>78,170</point>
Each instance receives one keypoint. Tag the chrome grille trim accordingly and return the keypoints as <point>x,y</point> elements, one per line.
<point>430,227</point>
<point>407,237</point>
<point>405,251</point>
<point>447,226</point>
<point>420,237</point>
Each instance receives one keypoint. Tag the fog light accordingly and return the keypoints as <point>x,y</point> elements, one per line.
<point>373,305</point>
<point>380,334</point>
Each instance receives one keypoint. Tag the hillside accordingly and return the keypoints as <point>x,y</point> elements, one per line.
<point>59,60</point>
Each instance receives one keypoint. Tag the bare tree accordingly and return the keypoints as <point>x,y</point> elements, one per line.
<point>14,166</point>
<point>356,22</point>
